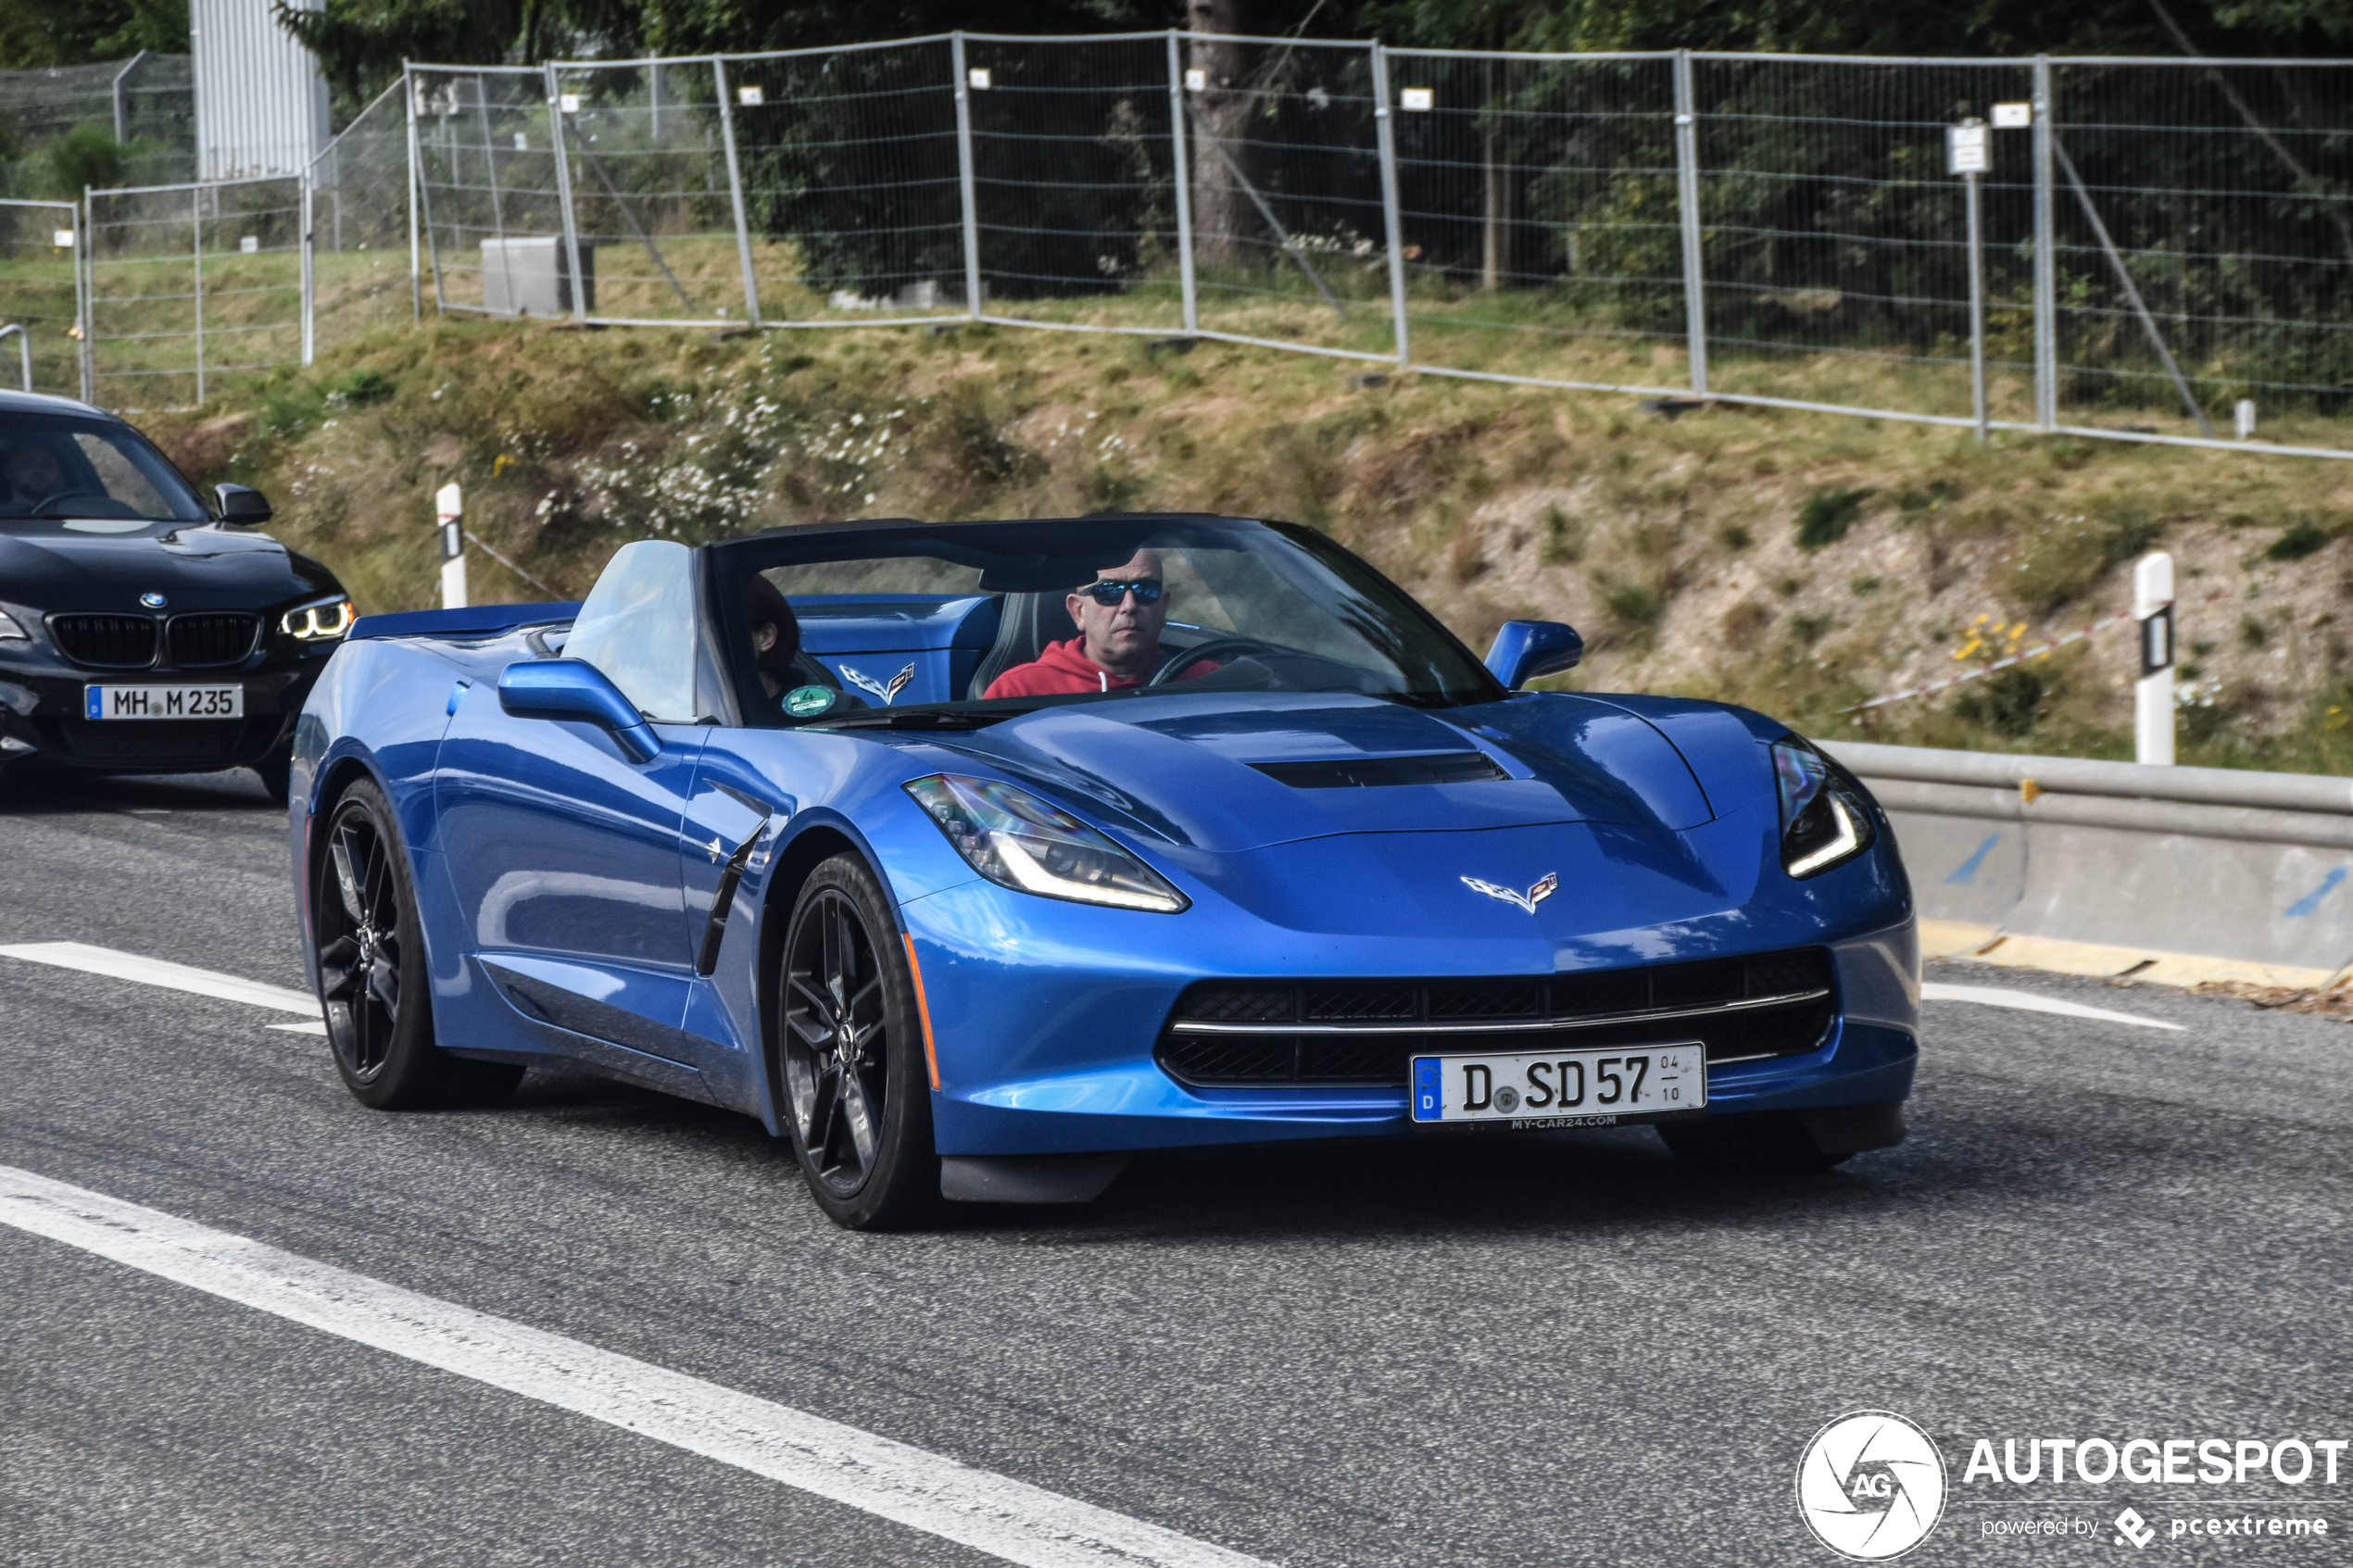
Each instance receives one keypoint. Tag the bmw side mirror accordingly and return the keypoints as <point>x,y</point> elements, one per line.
<point>1526,649</point>
<point>569,688</point>
<point>241,504</point>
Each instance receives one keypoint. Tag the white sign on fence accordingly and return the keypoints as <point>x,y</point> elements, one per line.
<point>1418,100</point>
<point>2013,117</point>
<point>751,97</point>
<point>1969,148</point>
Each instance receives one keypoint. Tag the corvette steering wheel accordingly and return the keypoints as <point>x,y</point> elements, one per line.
<point>1185,659</point>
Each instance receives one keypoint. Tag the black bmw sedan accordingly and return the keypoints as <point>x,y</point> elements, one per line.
<point>142,631</point>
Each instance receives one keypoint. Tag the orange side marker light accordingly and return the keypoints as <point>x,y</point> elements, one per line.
<point>923,1007</point>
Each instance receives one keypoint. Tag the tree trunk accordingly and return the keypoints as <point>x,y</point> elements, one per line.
<point>1223,217</point>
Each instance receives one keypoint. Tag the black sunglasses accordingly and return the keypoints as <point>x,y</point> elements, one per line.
<point>1109,591</point>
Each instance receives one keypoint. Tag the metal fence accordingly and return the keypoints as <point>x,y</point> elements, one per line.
<point>41,283</point>
<point>2163,242</point>
<point>146,104</point>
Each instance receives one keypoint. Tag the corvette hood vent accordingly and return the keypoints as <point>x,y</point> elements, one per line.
<point>1373,772</point>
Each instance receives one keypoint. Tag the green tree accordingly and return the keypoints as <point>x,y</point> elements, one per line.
<point>68,32</point>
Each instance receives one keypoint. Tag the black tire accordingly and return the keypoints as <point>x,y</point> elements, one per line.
<point>1767,1143</point>
<point>373,981</point>
<point>276,771</point>
<point>856,1086</point>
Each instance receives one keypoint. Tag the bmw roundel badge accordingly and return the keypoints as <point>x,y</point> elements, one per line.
<point>153,601</point>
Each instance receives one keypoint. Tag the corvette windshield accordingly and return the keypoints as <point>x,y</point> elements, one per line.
<point>86,476</point>
<point>949,623</point>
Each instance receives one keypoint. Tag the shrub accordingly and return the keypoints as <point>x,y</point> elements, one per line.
<point>2008,703</point>
<point>1828,514</point>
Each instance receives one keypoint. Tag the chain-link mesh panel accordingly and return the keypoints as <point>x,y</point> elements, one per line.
<point>193,287</point>
<point>851,184</point>
<point>1540,218</point>
<point>1073,175</point>
<point>38,292</point>
<point>147,103</point>
<point>1836,245</point>
<point>493,215</point>
<point>649,191</point>
<point>1289,233</point>
<point>359,225</point>
<point>2225,193</point>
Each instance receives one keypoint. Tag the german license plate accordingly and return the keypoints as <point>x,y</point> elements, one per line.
<point>1593,1088</point>
<point>163,702</point>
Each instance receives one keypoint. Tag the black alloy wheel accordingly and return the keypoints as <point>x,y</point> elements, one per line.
<point>851,1055</point>
<point>372,978</point>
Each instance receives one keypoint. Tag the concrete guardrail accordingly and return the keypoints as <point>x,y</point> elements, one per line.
<point>2172,873</point>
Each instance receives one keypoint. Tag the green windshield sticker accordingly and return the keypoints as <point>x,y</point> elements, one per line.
<point>804,702</point>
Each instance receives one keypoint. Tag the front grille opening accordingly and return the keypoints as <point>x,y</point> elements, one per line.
<point>106,642</point>
<point>222,637</point>
<point>1360,1031</point>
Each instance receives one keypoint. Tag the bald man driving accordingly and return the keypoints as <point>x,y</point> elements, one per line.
<point>1119,616</point>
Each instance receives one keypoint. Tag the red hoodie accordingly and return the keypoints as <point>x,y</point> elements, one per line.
<point>1063,669</point>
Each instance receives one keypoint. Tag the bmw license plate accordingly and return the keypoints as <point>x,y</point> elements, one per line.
<point>1606,1087</point>
<point>163,702</point>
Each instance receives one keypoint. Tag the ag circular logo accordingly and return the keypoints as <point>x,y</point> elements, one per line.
<point>1871,1486</point>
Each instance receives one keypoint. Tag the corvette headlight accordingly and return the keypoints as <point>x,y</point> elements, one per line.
<point>9,630</point>
<point>1018,841</point>
<point>1823,823</point>
<point>320,622</point>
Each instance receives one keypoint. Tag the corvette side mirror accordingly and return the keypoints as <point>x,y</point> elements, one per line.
<point>1526,649</point>
<point>241,504</point>
<point>569,688</point>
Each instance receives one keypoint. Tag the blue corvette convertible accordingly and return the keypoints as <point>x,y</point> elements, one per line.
<point>972,857</point>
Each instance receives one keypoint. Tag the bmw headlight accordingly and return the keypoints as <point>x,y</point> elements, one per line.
<point>1823,822</point>
<point>1018,841</point>
<point>320,622</point>
<point>9,630</point>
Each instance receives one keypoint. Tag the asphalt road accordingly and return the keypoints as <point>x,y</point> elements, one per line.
<point>1521,1350</point>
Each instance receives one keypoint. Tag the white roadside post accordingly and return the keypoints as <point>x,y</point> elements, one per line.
<point>445,503</point>
<point>1969,152</point>
<point>2153,696</point>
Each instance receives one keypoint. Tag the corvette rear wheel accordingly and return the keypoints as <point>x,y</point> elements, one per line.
<point>851,1055</point>
<point>373,980</point>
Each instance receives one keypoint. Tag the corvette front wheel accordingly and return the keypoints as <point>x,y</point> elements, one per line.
<point>372,979</point>
<point>850,1054</point>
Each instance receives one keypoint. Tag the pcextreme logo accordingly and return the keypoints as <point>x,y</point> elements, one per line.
<point>1871,1486</point>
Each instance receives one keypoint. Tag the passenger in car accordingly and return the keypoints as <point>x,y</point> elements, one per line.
<point>776,635</point>
<point>1119,616</point>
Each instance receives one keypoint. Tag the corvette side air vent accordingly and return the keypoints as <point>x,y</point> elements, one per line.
<point>1373,772</point>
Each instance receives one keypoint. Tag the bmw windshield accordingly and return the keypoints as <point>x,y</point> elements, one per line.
<point>1075,610</point>
<point>86,476</point>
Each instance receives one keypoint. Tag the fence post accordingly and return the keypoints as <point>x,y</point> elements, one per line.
<point>416,199</point>
<point>735,187</point>
<point>1182,164</point>
<point>563,191</point>
<point>1687,208</point>
<point>195,228</point>
<point>964,173</point>
<point>1385,134</point>
<point>85,285</point>
<point>2045,254</point>
<point>309,270</point>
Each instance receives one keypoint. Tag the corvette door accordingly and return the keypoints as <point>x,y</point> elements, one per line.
<point>563,849</point>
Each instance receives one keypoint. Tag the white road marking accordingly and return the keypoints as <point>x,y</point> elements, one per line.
<point>2027,1001</point>
<point>155,971</point>
<point>312,1028</point>
<point>895,1481</point>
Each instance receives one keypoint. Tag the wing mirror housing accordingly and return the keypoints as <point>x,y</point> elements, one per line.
<point>1526,649</point>
<point>241,504</point>
<point>570,688</point>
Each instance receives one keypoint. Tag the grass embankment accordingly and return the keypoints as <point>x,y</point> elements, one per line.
<point>1796,563</point>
